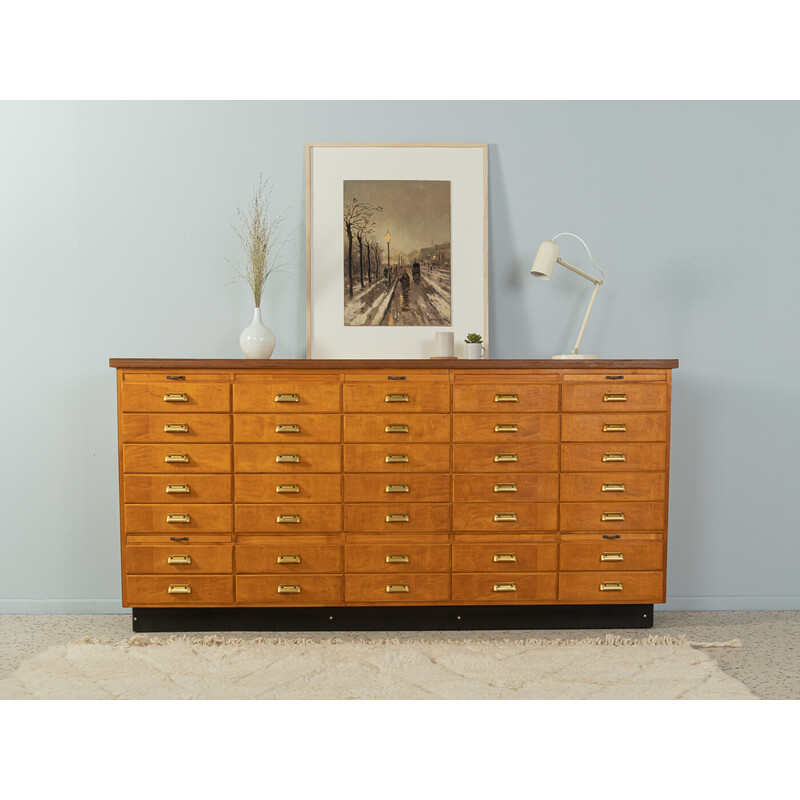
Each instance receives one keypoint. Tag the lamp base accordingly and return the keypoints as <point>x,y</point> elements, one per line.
<point>575,355</point>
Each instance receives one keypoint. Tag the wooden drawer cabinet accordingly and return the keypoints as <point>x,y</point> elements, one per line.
<point>418,485</point>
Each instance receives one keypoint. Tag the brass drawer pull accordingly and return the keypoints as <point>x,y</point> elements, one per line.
<point>179,588</point>
<point>287,559</point>
<point>177,458</point>
<point>287,429</point>
<point>613,516</point>
<point>394,588</point>
<point>612,487</point>
<point>397,558</point>
<point>505,487</point>
<point>505,517</point>
<point>393,488</point>
<point>179,559</point>
<point>396,398</point>
<point>288,588</point>
<point>397,517</point>
<point>615,427</point>
<point>614,397</point>
<point>287,458</point>
<point>176,397</point>
<point>506,457</point>
<point>287,398</point>
<point>178,518</point>
<point>612,557</point>
<point>505,587</point>
<point>396,429</point>
<point>504,557</point>
<point>610,586</point>
<point>281,518</point>
<point>506,398</point>
<point>287,488</point>
<point>399,458</point>
<point>614,457</point>
<point>506,428</point>
<point>176,427</point>
<point>178,488</point>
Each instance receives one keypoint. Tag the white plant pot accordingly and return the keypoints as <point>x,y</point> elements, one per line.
<point>475,350</point>
<point>257,340</point>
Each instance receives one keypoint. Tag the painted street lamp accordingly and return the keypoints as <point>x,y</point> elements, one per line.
<point>388,262</point>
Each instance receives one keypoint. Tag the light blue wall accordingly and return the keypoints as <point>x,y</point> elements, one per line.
<point>114,236</point>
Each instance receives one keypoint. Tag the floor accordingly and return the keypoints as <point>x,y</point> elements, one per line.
<point>768,662</point>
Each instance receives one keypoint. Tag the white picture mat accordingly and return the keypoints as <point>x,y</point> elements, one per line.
<point>329,166</point>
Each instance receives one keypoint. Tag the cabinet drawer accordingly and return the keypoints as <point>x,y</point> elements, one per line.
<point>397,428</point>
<point>177,518</point>
<point>505,517</point>
<point>613,457</point>
<point>512,588</point>
<point>398,518</point>
<point>289,518</point>
<point>612,515</point>
<point>611,587</point>
<point>406,588</point>
<point>287,428</point>
<point>512,457</point>
<point>178,590</point>
<point>505,397</point>
<point>521,487</point>
<point>611,427</point>
<point>599,486</point>
<point>512,557</point>
<point>287,459</point>
<point>393,558</point>
<point>176,458</point>
<point>176,428</point>
<point>400,398</point>
<point>178,558</point>
<point>611,556</point>
<point>288,558</point>
<point>169,488</point>
<point>397,458</point>
<point>289,590</point>
<point>175,397</point>
<point>287,396</point>
<point>505,427</point>
<point>602,397</point>
<point>392,488</point>
<point>254,488</point>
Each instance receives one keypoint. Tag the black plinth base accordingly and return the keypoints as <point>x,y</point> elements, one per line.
<point>397,618</point>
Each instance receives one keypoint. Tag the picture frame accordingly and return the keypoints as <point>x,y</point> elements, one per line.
<point>387,294</point>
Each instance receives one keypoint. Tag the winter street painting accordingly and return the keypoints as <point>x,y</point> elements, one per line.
<point>396,259</point>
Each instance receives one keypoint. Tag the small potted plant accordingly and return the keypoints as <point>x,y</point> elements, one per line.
<point>475,348</point>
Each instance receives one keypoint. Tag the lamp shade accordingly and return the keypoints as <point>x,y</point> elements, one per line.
<point>545,260</point>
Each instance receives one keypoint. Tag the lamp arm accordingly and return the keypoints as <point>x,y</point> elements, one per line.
<point>580,272</point>
<point>597,285</point>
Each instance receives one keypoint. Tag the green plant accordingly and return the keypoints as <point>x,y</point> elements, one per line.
<point>474,338</point>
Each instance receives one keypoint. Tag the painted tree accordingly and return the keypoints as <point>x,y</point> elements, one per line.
<point>356,220</point>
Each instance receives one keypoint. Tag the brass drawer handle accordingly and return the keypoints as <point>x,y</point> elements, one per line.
<point>614,457</point>
<point>178,488</point>
<point>394,588</point>
<point>178,518</point>
<point>287,398</point>
<point>176,427</point>
<point>610,586</point>
<point>179,559</point>
<point>510,586</point>
<point>504,557</point>
<point>288,588</point>
<point>288,559</point>
<point>179,588</point>
<point>392,488</point>
<point>397,558</point>
<point>287,429</point>
<point>505,517</point>
<point>614,397</point>
<point>615,427</point>
<point>396,398</point>
<point>287,488</point>
<point>612,487</point>
<point>397,517</point>
<point>505,487</point>
<point>506,428</point>
<point>506,457</point>
<point>177,458</point>
<point>281,518</point>
<point>396,429</point>
<point>399,458</point>
<point>613,516</point>
<point>506,398</point>
<point>287,458</point>
<point>176,397</point>
<point>612,557</point>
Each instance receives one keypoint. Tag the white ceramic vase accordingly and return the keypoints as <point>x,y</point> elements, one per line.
<point>257,340</point>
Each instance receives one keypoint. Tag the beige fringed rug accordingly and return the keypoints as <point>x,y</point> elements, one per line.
<point>378,668</point>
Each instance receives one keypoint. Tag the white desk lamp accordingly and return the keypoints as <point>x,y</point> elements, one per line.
<point>543,265</point>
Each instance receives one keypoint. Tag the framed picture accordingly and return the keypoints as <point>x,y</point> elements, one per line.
<point>396,248</point>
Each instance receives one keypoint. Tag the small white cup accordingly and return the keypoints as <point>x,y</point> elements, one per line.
<point>475,350</point>
<point>444,344</point>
